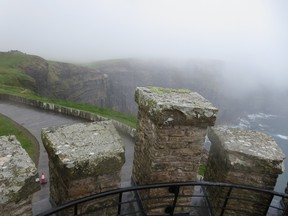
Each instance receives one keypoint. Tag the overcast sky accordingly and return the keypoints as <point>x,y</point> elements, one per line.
<point>254,31</point>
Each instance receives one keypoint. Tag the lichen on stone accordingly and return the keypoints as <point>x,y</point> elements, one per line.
<point>83,148</point>
<point>17,170</point>
<point>159,90</point>
<point>184,106</point>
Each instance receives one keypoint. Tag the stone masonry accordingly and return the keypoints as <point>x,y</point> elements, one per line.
<point>84,159</point>
<point>246,158</point>
<point>17,178</point>
<point>172,126</point>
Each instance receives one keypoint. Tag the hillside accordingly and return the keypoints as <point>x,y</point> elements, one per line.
<point>28,74</point>
<point>111,84</point>
<point>12,77</point>
<point>124,75</point>
<point>108,84</point>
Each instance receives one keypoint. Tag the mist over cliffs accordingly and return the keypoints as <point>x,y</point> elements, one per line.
<point>112,83</point>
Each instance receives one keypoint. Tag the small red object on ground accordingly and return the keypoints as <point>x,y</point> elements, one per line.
<point>43,179</point>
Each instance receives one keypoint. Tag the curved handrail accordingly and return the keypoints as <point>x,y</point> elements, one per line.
<point>202,184</point>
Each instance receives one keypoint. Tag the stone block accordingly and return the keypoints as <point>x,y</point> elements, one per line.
<point>84,159</point>
<point>243,157</point>
<point>175,107</point>
<point>17,178</point>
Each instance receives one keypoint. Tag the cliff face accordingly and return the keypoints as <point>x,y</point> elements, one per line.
<point>75,83</point>
<point>125,75</point>
<point>38,69</point>
<point>67,81</point>
<point>111,84</point>
<point>20,72</point>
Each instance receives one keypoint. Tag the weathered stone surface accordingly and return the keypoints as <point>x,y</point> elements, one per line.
<point>173,107</point>
<point>243,157</point>
<point>17,178</point>
<point>83,159</point>
<point>171,132</point>
<point>248,149</point>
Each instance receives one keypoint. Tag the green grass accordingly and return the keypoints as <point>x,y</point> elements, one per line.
<point>11,73</point>
<point>14,81</point>
<point>9,127</point>
<point>202,169</point>
<point>127,119</point>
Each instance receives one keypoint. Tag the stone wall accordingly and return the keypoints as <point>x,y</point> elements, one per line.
<point>17,178</point>
<point>246,158</point>
<point>84,159</point>
<point>170,137</point>
<point>68,111</point>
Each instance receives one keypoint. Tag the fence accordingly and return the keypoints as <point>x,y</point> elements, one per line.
<point>127,201</point>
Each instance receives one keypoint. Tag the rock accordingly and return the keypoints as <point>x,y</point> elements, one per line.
<point>242,157</point>
<point>173,107</point>
<point>90,154</point>
<point>17,178</point>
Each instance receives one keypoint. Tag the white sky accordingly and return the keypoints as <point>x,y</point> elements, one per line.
<point>254,31</point>
<point>123,28</point>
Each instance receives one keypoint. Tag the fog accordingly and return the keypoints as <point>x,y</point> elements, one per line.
<point>250,36</point>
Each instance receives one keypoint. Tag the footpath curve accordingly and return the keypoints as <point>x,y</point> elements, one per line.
<point>33,119</point>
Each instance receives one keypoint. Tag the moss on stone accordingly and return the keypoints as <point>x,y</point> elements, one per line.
<point>159,90</point>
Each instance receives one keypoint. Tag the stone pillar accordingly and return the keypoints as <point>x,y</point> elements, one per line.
<point>172,126</point>
<point>17,178</point>
<point>84,159</point>
<point>242,157</point>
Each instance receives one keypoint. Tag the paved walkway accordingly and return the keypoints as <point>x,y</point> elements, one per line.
<point>34,119</point>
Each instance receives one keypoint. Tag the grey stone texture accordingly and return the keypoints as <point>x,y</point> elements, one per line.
<point>246,158</point>
<point>84,159</point>
<point>175,106</point>
<point>171,131</point>
<point>17,178</point>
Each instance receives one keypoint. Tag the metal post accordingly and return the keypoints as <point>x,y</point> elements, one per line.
<point>119,203</point>
<point>75,209</point>
<point>226,201</point>
<point>170,209</point>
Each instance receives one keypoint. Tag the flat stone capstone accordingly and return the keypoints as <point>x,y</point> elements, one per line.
<point>241,144</point>
<point>17,177</point>
<point>86,145</point>
<point>172,106</point>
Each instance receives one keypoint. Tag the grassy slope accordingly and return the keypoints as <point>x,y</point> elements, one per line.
<point>12,78</point>
<point>28,142</point>
<point>14,81</point>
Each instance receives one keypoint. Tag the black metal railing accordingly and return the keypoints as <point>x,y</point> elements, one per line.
<point>181,198</point>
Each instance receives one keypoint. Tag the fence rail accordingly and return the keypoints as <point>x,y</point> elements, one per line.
<point>130,201</point>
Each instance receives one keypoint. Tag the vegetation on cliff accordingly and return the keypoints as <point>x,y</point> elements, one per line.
<point>35,78</point>
<point>12,78</point>
<point>27,140</point>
